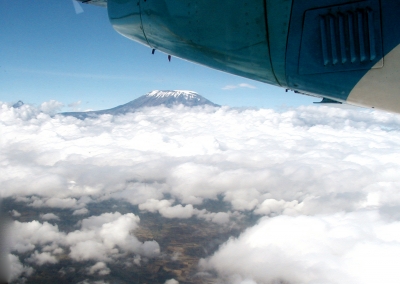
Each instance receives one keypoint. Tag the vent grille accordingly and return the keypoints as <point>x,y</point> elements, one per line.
<point>341,38</point>
<point>348,38</point>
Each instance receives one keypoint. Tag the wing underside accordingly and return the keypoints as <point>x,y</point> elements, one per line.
<point>102,3</point>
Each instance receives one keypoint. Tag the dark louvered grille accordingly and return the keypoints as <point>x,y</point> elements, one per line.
<point>341,38</point>
<point>348,37</point>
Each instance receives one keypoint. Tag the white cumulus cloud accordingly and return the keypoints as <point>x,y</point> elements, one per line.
<point>328,176</point>
<point>102,238</point>
<point>100,268</point>
<point>17,269</point>
<point>42,258</point>
<point>49,216</point>
<point>106,236</point>
<point>354,248</point>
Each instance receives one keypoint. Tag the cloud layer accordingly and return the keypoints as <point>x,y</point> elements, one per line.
<point>328,176</point>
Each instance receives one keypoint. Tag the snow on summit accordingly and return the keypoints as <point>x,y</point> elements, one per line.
<point>176,93</point>
<point>152,99</point>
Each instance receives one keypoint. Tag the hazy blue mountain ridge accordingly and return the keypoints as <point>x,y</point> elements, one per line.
<point>18,104</point>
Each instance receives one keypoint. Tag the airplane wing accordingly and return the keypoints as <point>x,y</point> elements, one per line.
<point>102,3</point>
<point>343,50</point>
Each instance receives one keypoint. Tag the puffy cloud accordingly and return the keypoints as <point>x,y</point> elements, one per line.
<point>81,211</point>
<point>171,281</point>
<point>17,269</point>
<point>42,258</point>
<point>278,207</point>
<point>103,237</point>
<point>28,235</point>
<point>177,211</point>
<point>100,268</point>
<point>165,208</point>
<point>215,217</point>
<point>106,236</point>
<point>154,205</point>
<point>149,249</point>
<point>15,213</point>
<point>51,107</point>
<point>49,216</point>
<point>341,248</point>
<point>221,218</point>
<point>90,249</point>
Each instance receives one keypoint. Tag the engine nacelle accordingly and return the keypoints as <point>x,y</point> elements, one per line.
<point>342,50</point>
<point>226,35</point>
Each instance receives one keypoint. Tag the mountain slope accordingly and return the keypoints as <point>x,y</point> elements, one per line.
<point>152,99</point>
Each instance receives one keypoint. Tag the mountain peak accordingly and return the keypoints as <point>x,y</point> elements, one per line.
<point>152,99</point>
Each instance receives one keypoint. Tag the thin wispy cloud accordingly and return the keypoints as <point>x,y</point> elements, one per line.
<point>242,85</point>
<point>75,104</point>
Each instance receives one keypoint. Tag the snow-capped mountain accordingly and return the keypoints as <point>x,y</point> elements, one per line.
<point>152,99</point>
<point>170,98</point>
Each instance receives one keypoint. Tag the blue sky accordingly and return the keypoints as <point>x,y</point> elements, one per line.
<point>50,52</point>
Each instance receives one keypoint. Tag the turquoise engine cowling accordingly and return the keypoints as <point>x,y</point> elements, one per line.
<point>227,35</point>
<point>342,50</point>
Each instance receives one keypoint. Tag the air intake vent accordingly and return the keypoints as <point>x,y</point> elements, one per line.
<point>348,37</point>
<point>341,38</point>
